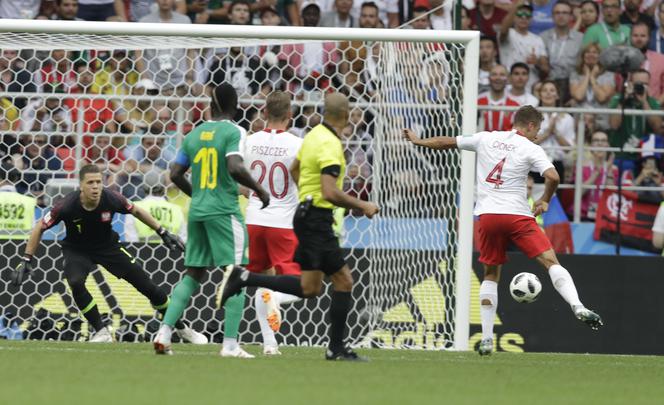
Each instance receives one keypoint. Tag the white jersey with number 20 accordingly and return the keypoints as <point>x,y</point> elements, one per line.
<point>269,155</point>
<point>504,159</point>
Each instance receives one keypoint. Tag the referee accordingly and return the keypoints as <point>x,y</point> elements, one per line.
<point>319,171</point>
<point>90,240</point>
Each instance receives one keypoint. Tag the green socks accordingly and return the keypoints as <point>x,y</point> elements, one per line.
<point>233,315</point>
<point>180,300</point>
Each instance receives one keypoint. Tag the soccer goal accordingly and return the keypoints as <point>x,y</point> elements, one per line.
<point>123,95</point>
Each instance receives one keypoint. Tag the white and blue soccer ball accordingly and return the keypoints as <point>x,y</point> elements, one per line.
<point>525,288</point>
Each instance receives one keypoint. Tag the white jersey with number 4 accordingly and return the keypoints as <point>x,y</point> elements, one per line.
<point>504,159</point>
<point>269,155</point>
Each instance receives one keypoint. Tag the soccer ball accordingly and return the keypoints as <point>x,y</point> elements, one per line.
<point>525,288</point>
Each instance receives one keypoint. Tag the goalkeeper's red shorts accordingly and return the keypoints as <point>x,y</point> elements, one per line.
<point>496,231</point>
<point>272,247</point>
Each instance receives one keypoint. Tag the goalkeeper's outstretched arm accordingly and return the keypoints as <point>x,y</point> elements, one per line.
<point>438,142</point>
<point>34,240</point>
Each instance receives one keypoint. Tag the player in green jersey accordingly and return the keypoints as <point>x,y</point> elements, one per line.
<point>216,230</point>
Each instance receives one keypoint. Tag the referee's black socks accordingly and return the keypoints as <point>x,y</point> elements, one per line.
<point>339,308</point>
<point>285,284</point>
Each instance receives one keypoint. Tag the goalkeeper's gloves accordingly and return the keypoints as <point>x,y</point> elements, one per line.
<point>173,242</point>
<point>22,271</point>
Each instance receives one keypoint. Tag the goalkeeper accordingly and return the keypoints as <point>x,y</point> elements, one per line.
<point>90,240</point>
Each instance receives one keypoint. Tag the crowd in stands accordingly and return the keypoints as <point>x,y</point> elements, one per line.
<point>544,53</point>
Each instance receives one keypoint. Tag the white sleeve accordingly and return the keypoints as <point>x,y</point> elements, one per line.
<point>392,6</point>
<point>658,225</point>
<point>470,142</point>
<point>539,161</point>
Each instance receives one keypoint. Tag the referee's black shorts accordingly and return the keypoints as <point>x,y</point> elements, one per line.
<point>80,261</point>
<point>318,247</point>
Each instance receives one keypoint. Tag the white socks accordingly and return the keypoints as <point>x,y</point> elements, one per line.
<point>488,291</point>
<point>563,283</point>
<point>165,333</point>
<point>261,313</point>
<point>230,343</point>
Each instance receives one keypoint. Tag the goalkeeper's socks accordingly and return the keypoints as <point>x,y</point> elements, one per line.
<point>261,313</point>
<point>233,316</point>
<point>488,292</point>
<point>286,284</point>
<point>339,309</point>
<point>563,283</point>
<point>180,299</point>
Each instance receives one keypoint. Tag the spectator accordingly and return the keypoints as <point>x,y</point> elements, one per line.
<point>649,176</point>
<point>657,36</point>
<point>388,11</point>
<point>653,63</point>
<point>632,15</point>
<point>58,71</point>
<point>633,129</point>
<point>488,57</point>
<point>519,75</point>
<point>238,68</point>
<point>103,154</point>
<point>562,45</point>
<point>590,85</point>
<point>140,114</point>
<point>167,68</point>
<point>150,154</point>
<point>14,75</point>
<point>420,19</point>
<point>599,172</point>
<point>239,13</point>
<point>19,9</point>
<point>8,113</point>
<point>586,15</point>
<point>466,22</point>
<point>311,65</point>
<point>68,10</point>
<point>270,17</point>
<point>101,10</point>
<point>206,12</point>
<point>487,18</point>
<point>610,31</point>
<point>287,9</point>
<point>97,112</point>
<point>497,96</point>
<point>37,158</point>
<point>441,17</point>
<point>46,114</point>
<point>517,44</point>
<point>340,17</point>
<point>557,129</point>
<point>542,16</point>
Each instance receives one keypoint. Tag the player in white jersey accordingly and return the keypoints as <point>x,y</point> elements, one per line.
<point>504,159</point>
<point>272,242</point>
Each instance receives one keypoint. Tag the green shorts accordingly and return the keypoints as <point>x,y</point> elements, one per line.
<point>216,241</point>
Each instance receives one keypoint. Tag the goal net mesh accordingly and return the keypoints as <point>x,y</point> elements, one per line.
<point>126,102</point>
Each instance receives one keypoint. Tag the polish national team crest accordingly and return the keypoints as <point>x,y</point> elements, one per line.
<point>105,216</point>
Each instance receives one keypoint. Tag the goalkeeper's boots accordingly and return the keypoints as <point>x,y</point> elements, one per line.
<point>162,342</point>
<point>103,335</point>
<point>345,354</point>
<point>236,352</point>
<point>189,335</point>
<point>234,283</point>
<point>588,317</point>
<point>273,312</point>
<point>486,347</point>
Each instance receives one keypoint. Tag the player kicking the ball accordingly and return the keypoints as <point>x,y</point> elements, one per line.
<point>272,242</point>
<point>504,159</point>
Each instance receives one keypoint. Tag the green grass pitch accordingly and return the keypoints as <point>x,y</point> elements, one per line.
<point>82,373</point>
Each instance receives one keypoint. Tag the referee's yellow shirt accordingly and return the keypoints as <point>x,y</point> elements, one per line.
<point>321,148</point>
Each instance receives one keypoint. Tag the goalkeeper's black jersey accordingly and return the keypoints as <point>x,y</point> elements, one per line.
<point>88,229</point>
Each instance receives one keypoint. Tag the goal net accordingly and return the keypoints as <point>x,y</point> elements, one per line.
<point>123,96</point>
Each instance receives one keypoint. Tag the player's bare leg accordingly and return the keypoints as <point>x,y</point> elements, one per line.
<point>488,306</point>
<point>179,301</point>
<point>563,283</point>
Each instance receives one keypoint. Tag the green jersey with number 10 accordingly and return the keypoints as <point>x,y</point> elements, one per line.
<point>214,191</point>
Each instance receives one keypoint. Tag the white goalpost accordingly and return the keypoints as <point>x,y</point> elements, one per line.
<point>124,95</point>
